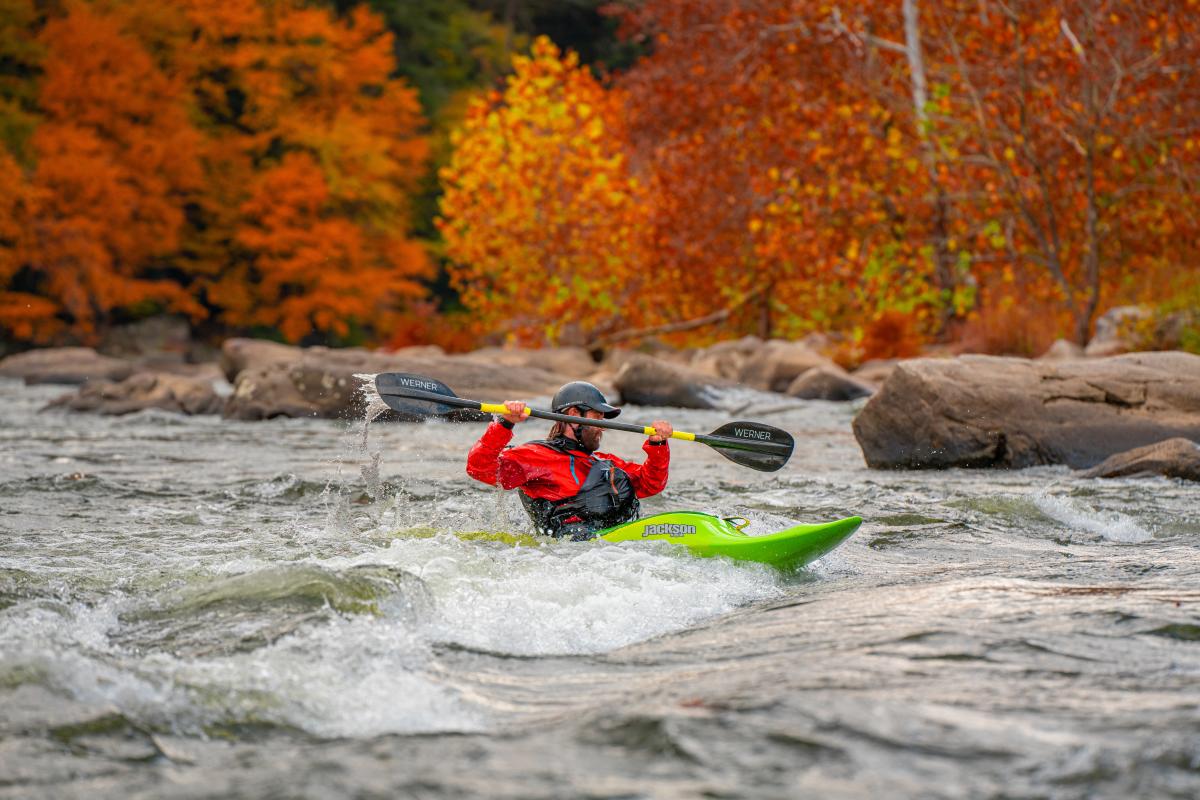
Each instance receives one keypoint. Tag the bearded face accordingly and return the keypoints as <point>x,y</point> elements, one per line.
<point>589,438</point>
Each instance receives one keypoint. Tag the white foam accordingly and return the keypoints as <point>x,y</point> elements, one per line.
<point>572,598</point>
<point>1111,525</point>
<point>354,677</point>
<point>367,675</point>
<point>358,676</point>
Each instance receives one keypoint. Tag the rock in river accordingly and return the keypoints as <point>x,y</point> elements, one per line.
<point>985,411</point>
<point>143,390</point>
<point>71,365</point>
<point>829,383</point>
<point>1174,458</point>
<point>282,381</point>
<point>643,380</point>
<point>774,365</point>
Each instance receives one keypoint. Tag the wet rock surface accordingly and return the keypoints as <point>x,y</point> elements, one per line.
<point>267,379</point>
<point>145,390</point>
<point>321,382</point>
<point>982,411</point>
<point>776,364</point>
<point>1173,458</point>
<point>647,381</point>
<point>877,371</point>
<point>568,361</point>
<point>238,355</point>
<point>69,365</point>
<point>726,359</point>
<point>829,383</point>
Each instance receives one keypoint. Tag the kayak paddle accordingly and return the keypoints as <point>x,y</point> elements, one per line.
<point>751,444</point>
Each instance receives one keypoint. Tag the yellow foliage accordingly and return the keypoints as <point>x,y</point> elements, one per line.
<point>542,217</point>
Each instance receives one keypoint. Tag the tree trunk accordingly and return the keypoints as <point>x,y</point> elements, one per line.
<point>764,314</point>
<point>945,272</point>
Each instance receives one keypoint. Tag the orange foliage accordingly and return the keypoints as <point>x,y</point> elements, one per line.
<point>892,334</point>
<point>1073,115</point>
<point>794,150</point>
<point>313,153</point>
<point>767,170</point>
<point>115,153</point>
<point>28,316</point>
<point>1013,321</point>
<point>425,324</point>
<point>779,160</point>
<point>317,270</point>
<point>251,160</point>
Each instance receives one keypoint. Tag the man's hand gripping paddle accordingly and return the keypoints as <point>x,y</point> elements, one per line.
<point>751,444</point>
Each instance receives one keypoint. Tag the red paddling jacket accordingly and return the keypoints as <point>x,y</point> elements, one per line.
<point>567,491</point>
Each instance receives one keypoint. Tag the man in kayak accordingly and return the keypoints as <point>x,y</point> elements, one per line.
<point>568,488</point>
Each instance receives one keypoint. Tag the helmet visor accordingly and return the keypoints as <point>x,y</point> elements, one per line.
<point>604,408</point>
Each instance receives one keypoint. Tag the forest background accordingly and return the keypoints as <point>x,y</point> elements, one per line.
<point>989,175</point>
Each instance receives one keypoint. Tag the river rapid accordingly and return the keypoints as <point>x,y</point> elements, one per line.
<point>198,608</point>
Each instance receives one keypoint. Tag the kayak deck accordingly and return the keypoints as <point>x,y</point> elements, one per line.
<point>706,535</point>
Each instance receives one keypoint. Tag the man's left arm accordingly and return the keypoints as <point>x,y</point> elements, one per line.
<point>650,477</point>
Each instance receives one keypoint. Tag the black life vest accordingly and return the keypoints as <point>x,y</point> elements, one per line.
<point>606,498</point>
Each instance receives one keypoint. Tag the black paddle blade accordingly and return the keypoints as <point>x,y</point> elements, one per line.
<point>414,395</point>
<point>752,444</point>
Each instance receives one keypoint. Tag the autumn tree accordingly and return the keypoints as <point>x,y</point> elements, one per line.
<point>1079,118</point>
<point>164,128</point>
<point>24,314</point>
<point>542,216</point>
<point>115,157</point>
<point>862,158</point>
<point>20,63</point>
<point>777,171</point>
<point>321,118</point>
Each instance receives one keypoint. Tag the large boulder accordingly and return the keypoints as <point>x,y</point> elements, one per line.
<point>777,363</point>
<point>145,390</point>
<point>320,382</point>
<point>293,390</point>
<point>647,381</point>
<point>241,354</point>
<point>829,383</point>
<point>69,365</point>
<point>1174,458</point>
<point>726,359</point>
<point>876,371</point>
<point>985,411</point>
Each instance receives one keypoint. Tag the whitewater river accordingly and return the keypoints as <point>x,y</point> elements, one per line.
<point>191,607</point>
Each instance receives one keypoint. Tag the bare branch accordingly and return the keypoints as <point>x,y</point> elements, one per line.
<point>1073,39</point>
<point>916,61</point>
<point>861,39</point>
<point>674,327</point>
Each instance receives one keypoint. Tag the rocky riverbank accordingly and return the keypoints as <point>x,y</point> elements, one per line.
<point>257,379</point>
<point>927,413</point>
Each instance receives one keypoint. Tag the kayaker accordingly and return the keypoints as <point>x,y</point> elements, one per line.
<point>568,488</point>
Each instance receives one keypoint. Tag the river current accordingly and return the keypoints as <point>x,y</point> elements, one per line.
<point>199,608</point>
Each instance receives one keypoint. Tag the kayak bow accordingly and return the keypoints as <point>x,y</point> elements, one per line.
<point>706,535</point>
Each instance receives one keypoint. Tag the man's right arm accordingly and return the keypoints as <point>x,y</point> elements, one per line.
<point>483,462</point>
<point>487,462</point>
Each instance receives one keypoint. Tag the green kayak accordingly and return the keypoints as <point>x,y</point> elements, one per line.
<point>706,535</point>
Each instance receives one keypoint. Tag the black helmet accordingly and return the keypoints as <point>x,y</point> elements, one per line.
<point>581,394</point>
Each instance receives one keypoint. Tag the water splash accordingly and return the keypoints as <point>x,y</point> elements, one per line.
<point>1111,525</point>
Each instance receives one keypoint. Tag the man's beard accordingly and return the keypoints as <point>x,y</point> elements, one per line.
<point>588,437</point>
